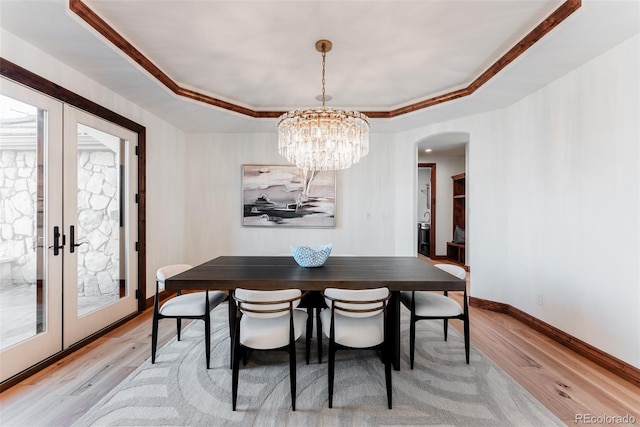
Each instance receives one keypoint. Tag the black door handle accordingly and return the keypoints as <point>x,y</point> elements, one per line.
<point>72,243</point>
<point>56,241</point>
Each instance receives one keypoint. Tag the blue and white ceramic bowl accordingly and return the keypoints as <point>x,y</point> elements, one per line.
<point>306,256</point>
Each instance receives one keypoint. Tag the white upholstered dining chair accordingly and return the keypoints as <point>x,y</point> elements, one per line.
<point>195,305</point>
<point>357,319</point>
<point>429,305</point>
<point>317,303</point>
<point>267,320</point>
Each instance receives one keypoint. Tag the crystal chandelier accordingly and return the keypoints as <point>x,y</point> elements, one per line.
<point>323,138</point>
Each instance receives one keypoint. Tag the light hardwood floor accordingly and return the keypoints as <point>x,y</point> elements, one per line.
<point>563,381</point>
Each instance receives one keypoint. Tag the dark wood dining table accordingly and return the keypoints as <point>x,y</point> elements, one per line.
<point>347,272</point>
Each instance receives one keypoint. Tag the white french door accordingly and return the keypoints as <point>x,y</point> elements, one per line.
<point>68,226</point>
<point>30,211</point>
<point>100,217</point>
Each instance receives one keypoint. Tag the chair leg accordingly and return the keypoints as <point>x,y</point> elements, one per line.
<point>387,372</point>
<point>466,338</point>
<point>207,337</point>
<point>446,328</point>
<point>319,334</point>
<point>235,366</point>
<point>232,325</point>
<point>412,340</point>
<point>465,320</point>
<point>332,362</point>
<point>154,336</point>
<point>179,326</point>
<point>292,373</point>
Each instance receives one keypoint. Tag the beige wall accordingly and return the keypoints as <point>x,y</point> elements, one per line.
<point>366,206</point>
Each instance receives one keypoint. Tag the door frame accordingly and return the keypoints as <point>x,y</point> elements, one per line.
<point>27,78</point>
<point>432,217</point>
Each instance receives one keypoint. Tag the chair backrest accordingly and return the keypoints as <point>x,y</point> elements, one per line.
<point>169,271</point>
<point>455,270</point>
<point>258,303</point>
<point>357,302</point>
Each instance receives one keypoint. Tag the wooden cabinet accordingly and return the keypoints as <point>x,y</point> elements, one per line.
<point>455,252</point>
<point>456,247</point>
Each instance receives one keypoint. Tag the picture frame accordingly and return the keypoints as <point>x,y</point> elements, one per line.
<point>287,196</point>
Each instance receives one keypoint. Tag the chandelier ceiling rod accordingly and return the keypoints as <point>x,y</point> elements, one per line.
<point>323,46</point>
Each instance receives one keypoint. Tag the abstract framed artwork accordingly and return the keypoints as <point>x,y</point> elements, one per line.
<point>286,196</point>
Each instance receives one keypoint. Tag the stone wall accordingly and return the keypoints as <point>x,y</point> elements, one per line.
<point>18,192</point>
<point>98,221</point>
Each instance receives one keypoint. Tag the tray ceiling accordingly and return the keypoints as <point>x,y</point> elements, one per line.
<point>257,58</point>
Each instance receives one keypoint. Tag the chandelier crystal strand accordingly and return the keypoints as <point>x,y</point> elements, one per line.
<point>323,138</point>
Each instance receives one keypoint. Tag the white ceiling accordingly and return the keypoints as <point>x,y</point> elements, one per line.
<point>450,144</point>
<point>261,54</point>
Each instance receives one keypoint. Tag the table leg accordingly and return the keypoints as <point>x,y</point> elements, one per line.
<point>393,325</point>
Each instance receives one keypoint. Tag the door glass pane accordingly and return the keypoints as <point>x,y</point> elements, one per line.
<point>22,279</point>
<point>100,225</point>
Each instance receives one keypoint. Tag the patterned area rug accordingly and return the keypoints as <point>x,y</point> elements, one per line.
<point>442,390</point>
